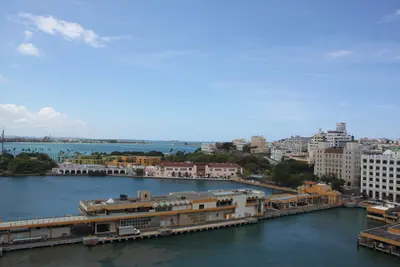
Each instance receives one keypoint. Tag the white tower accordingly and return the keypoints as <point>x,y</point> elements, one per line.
<point>341,127</point>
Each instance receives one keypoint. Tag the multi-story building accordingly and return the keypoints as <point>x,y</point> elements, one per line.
<point>278,154</point>
<point>296,144</point>
<point>380,176</point>
<point>258,145</point>
<point>317,138</point>
<point>342,162</point>
<point>239,143</point>
<point>190,170</point>
<point>176,169</point>
<point>208,148</point>
<point>338,137</point>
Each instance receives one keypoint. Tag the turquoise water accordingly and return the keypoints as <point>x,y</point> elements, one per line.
<point>54,148</point>
<point>319,239</point>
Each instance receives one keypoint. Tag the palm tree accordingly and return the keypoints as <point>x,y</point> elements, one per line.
<point>14,151</point>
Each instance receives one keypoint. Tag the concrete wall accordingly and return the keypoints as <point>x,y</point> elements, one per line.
<point>252,210</point>
<point>45,232</point>
<point>215,216</point>
<point>20,235</point>
<point>185,220</point>
<point>207,205</point>
<point>4,238</point>
<point>59,231</point>
<point>181,207</point>
<point>240,201</point>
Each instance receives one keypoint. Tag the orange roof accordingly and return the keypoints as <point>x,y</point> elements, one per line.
<point>309,182</point>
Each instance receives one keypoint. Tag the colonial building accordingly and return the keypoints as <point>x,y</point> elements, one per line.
<point>191,170</point>
<point>342,162</point>
<point>380,176</point>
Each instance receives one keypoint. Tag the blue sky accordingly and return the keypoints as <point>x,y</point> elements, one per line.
<point>199,70</point>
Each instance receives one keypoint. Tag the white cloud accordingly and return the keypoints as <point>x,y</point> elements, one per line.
<point>71,31</point>
<point>28,35</point>
<point>391,17</point>
<point>2,79</point>
<point>28,49</point>
<point>21,121</point>
<point>339,53</point>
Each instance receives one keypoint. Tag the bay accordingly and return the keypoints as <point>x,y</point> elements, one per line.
<point>321,239</point>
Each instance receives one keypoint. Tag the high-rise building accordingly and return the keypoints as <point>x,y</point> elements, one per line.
<point>317,138</point>
<point>341,162</point>
<point>338,137</point>
<point>208,148</point>
<point>239,143</point>
<point>380,176</point>
<point>258,144</point>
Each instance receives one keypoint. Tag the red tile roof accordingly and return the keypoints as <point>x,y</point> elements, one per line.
<point>223,165</point>
<point>176,164</point>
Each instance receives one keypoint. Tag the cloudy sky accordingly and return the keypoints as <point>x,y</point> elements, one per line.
<point>199,70</point>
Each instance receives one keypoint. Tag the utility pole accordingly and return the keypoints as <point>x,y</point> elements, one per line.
<point>2,142</point>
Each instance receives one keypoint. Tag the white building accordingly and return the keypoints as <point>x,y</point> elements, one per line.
<point>380,176</point>
<point>342,162</point>
<point>208,148</point>
<point>277,154</point>
<point>296,144</point>
<point>258,145</point>
<point>317,138</point>
<point>338,137</point>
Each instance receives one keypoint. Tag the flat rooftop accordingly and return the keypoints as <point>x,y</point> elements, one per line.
<point>178,196</point>
<point>384,233</point>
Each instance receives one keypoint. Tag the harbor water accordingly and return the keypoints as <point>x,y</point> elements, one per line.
<point>324,239</point>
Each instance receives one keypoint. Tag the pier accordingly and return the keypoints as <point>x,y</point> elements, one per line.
<point>155,233</point>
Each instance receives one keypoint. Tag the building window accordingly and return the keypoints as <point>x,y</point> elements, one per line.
<point>201,207</point>
<point>378,161</point>
<point>371,161</point>
<point>364,166</point>
<point>391,162</point>
<point>391,175</point>
<point>390,187</point>
<point>364,160</point>
<point>384,162</point>
<point>377,180</point>
<point>384,187</point>
<point>391,169</point>
<point>384,181</point>
<point>384,174</point>
<point>390,181</point>
<point>377,168</point>
<point>377,186</point>
<point>384,168</point>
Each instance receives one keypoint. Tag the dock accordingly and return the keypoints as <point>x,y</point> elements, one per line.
<point>265,185</point>
<point>384,238</point>
<point>155,233</point>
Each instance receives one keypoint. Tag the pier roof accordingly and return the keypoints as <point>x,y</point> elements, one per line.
<point>383,233</point>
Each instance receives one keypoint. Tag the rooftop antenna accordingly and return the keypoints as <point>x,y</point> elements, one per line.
<point>2,142</point>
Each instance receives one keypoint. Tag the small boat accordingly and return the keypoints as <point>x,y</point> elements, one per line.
<point>350,204</point>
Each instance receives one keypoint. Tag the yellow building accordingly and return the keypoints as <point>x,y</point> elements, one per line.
<point>127,161</point>
<point>309,193</point>
<point>86,160</point>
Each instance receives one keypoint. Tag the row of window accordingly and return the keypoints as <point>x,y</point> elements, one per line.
<point>383,168</point>
<point>376,195</point>
<point>380,181</point>
<point>383,174</point>
<point>377,186</point>
<point>378,161</point>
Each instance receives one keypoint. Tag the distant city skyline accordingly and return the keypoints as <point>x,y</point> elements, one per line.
<point>199,70</point>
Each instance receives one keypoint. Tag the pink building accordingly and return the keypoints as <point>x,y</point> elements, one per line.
<point>210,170</point>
